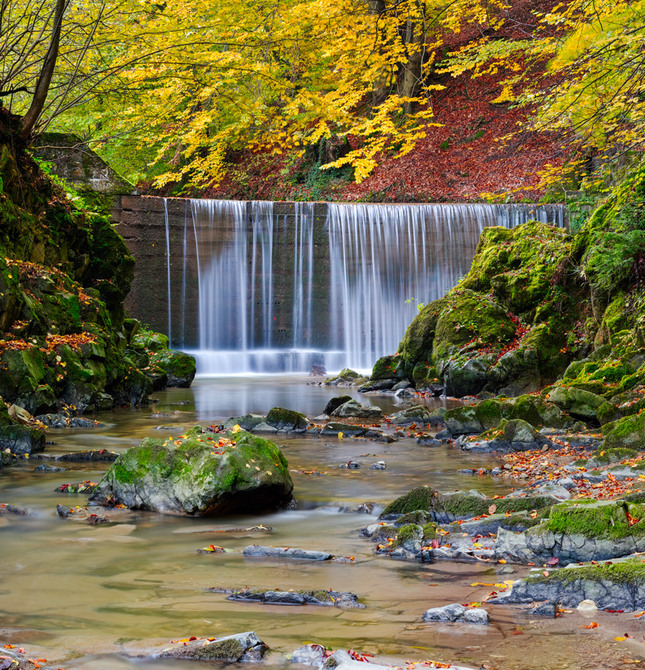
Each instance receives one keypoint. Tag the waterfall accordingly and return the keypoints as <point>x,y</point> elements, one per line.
<point>280,287</point>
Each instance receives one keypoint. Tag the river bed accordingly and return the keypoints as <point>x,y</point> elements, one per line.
<point>86,597</point>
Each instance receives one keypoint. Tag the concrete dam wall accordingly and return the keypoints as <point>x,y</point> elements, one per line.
<point>281,286</point>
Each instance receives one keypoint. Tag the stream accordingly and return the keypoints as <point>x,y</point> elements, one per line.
<point>88,596</point>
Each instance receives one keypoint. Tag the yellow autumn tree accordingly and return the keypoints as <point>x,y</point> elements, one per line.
<point>197,79</point>
<point>581,69</point>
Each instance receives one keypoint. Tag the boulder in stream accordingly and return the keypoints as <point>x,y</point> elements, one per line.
<point>243,647</point>
<point>198,474</point>
<point>354,409</point>
<point>457,613</point>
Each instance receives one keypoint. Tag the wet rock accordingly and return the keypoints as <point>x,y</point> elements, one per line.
<point>319,598</point>
<point>260,551</point>
<point>333,428</point>
<point>48,468</point>
<point>543,609</point>
<point>61,420</point>
<point>510,436</point>
<point>310,654</point>
<point>93,518</point>
<point>198,475</point>
<point>265,428</point>
<point>346,377</point>
<point>6,509</point>
<point>21,440</point>
<point>458,614</point>
<point>419,414</point>
<point>246,422</point>
<point>335,403</point>
<point>429,441</point>
<point>14,659</point>
<point>614,585</point>
<point>354,409</point>
<point>80,487</point>
<point>378,385</point>
<point>379,465</point>
<point>94,455</point>
<point>243,647</point>
<point>287,420</point>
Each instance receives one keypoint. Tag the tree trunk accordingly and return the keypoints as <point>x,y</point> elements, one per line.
<point>30,119</point>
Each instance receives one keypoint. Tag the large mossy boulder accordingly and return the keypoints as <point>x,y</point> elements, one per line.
<point>199,474</point>
<point>628,432</point>
<point>578,531</point>
<point>504,328</point>
<point>577,402</point>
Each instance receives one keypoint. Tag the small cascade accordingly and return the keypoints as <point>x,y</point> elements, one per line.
<point>282,287</point>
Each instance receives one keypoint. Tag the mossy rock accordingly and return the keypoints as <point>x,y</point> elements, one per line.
<point>628,432</point>
<point>578,403</point>
<point>425,375</point>
<point>194,475</point>
<point>388,367</point>
<point>461,505</point>
<point>179,367</point>
<point>150,341</point>
<point>615,455</point>
<point>629,572</point>
<point>601,520</point>
<point>409,537</point>
<point>488,414</point>
<point>21,440</point>
<point>420,498</point>
<point>518,264</point>
<point>417,343</point>
<point>287,419</point>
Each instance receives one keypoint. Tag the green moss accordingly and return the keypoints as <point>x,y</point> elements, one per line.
<point>420,498</point>
<point>470,317</point>
<point>630,572</point>
<point>388,367</point>
<point>615,455</point>
<point>627,432</point>
<point>224,650</point>
<point>408,533</point>
<point>429,532</point>
<point>604,520</point>
<point>416,345</point>
<point>418,517</point>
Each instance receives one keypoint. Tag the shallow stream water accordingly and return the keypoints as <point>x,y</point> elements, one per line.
<point>88,597</point>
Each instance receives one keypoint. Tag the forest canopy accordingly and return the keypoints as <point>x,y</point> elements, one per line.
<point>181,85</point>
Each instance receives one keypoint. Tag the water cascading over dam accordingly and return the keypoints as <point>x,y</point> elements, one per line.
<point>254,287</point>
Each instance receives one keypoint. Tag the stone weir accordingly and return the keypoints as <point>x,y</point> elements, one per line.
<point>282,286</point>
